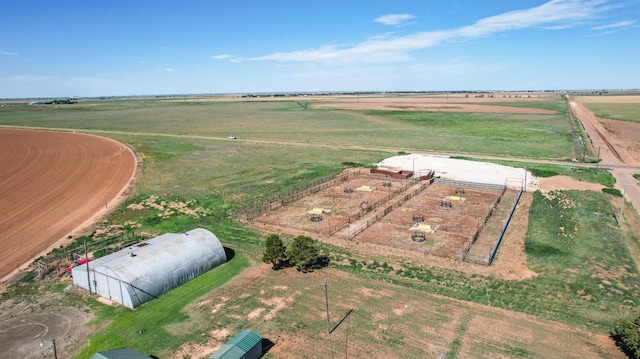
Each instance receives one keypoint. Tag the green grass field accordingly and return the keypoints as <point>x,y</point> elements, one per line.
<point>530,136</point>
<point>616,111</point>
<point>587,276</point>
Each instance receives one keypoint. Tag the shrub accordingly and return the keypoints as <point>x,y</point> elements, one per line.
<point>626,333</point>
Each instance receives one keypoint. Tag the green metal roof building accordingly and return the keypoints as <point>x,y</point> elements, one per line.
<point>122,353</point>
<point>245,345</point>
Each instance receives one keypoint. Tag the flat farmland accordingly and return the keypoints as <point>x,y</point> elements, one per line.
<point>492,126</point>
<point>51,183</point>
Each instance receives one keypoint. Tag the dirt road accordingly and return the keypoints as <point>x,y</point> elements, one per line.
<point>614,153</point>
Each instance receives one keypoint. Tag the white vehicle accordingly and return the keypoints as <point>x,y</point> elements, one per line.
<point>231,137</point>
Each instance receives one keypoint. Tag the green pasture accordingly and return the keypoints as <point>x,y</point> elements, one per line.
<point>616,111</point>
<point>557,105</point>
<point>241,171</point>
<point>519,135</point>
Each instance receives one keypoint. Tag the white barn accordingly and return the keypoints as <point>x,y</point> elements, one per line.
<point>137,274</point>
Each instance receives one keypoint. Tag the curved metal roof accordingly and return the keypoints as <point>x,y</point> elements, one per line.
<point>150,268</point>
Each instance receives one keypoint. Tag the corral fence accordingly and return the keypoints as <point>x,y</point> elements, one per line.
<point>501,191</point>
<point>352,232</point>
<point>62,260</point>
<point>256,210</point>
<point>488,259</point>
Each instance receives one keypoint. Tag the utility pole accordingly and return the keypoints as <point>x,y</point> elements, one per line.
<point>326,300</point>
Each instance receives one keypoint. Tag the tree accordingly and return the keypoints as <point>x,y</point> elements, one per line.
<point>627,335</point>
<point>303,253</point>
<point>274,251</point>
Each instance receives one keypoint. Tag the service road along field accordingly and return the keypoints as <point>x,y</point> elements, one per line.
<point>53,183</point>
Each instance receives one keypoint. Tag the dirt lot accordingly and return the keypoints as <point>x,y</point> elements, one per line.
<point>54,184</point>
<point>387,322</point>
<point>446,230</point>
<point>23,326</point>
<point>338,203</point>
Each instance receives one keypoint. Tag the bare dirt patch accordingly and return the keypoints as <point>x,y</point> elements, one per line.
<point>560,183</point>
<point>55,184</point>
<point>22,327</point>
<point>408,323</point>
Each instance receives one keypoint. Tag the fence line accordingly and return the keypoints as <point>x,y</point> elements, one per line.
<point>359,229</point>
<point>255,210</point>
<point>484,221</point>
<point>505,226</point>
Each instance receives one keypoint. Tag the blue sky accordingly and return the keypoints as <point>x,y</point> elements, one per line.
<point>118,48</point>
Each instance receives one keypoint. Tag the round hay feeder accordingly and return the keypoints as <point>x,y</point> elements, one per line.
<point>445,203</point>
<point>386,184</point>
<point>418,218</point>
<point>315,217</point>
<point>418,236</point>
<point>348,190</point>
<point>459,190</point>
<point>365,207</point>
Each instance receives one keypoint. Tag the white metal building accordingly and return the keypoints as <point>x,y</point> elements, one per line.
<point>144,271</point>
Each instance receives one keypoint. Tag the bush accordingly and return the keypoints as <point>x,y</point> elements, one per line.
<point>627,335</point>
<point>612,191</point>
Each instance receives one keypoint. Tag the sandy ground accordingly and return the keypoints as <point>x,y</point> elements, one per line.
<point>52,185</point>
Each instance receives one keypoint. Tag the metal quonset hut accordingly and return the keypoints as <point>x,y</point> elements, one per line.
<point>137,274</point>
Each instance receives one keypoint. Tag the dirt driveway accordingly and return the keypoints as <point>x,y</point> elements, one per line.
<point>617,152</point>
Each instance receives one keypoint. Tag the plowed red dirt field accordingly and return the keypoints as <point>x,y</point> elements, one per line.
<point>52,184</point>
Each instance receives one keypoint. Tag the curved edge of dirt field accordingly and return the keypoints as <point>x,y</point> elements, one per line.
<point>91,206</point>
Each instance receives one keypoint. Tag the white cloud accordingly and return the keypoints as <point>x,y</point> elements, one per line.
<point>390,48</point>
<point>394,19</point>
<point>6,53</point>
<point>231,58</point>
<point>616,25</point>
<point>222,57</point>
<point>169,69</point>
<point>142,62</point>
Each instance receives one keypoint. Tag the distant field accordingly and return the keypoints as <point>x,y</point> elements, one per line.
<point>546,135</point>
<point>625,108</point>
